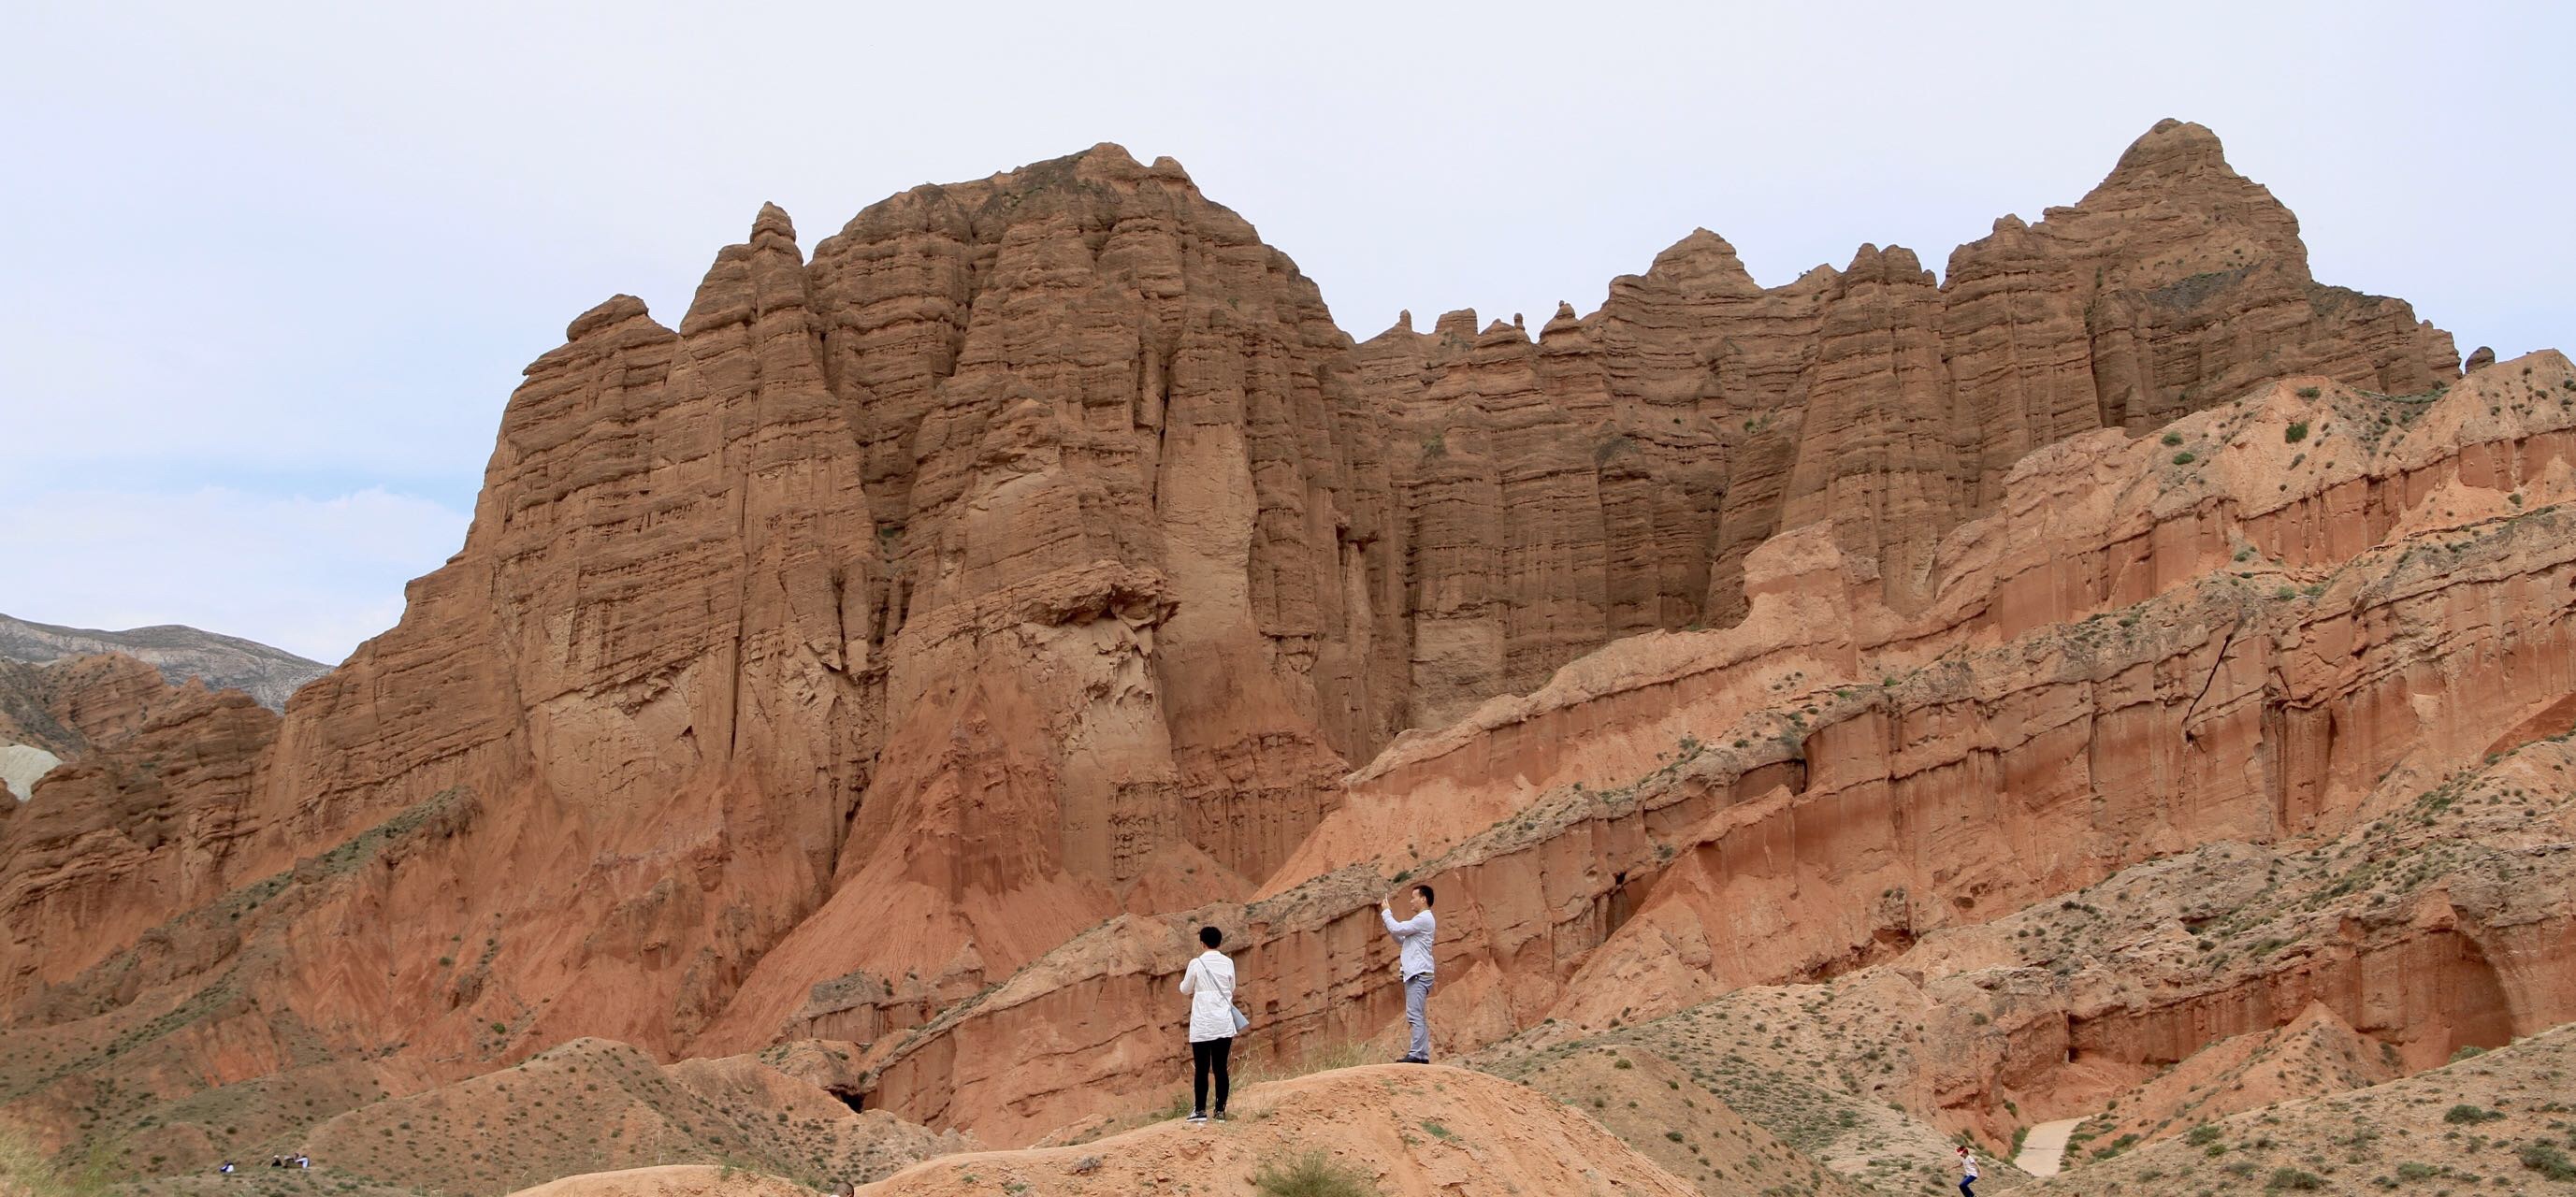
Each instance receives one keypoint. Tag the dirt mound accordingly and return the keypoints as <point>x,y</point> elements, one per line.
<point>588,1106</point>
<point>671,1180</point>
<point>1408,1130</point>
<point>592,1105</point>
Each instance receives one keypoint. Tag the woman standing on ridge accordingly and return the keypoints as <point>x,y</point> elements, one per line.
<point>1209,980</point>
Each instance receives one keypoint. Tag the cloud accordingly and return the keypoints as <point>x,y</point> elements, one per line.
<point>310,575</point>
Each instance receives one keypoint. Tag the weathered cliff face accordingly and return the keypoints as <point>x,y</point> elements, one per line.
<point>984,576</point>
<point>1610,476</point>
<point>113,841</point>
<point>2264,632</point>
<point>1039,553</point>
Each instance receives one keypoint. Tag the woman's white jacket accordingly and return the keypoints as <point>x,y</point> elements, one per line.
<point>1209,980</point>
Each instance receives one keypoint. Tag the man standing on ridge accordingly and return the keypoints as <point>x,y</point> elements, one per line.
<point>1413,964</point>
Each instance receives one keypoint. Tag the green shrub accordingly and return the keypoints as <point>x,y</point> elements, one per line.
<point>2202,1135</point>
<point>2295,433</point>
<point>2465,1114</point>
<point>2294,1178</point>
<point>2543,1157</point>
<point>2184,459</point>
<point>2309,392</point>
<point>1313,1174</point>
<point>2173,438</point>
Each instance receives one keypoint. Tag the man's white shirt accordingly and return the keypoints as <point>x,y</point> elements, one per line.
<point>1414,934</point>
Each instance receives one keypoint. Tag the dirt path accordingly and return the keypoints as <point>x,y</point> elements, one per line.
<point>2045,1146</point>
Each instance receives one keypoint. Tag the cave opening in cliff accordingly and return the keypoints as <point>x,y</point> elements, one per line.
<point>856,1100</point>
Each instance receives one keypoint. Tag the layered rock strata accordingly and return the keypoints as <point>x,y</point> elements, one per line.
<point>1609,476</point>
<point>1039,553</point>
<point>2144,650</point>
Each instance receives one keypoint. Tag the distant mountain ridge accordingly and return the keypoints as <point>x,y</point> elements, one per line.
<point>178,651</point>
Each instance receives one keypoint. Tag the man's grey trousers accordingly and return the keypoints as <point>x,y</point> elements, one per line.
<point>1417,995</point>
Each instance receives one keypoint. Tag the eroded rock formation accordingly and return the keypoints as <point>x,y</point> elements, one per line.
<point>1610,477</point>
<point>2262,636</point>
<point>883,650</point>
<point>132,826</point>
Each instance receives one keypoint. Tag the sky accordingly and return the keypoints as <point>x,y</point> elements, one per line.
<point>268,272</point>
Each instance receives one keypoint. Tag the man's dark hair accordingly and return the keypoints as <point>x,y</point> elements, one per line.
<point>1425,891</point>
<point>1211,936</point>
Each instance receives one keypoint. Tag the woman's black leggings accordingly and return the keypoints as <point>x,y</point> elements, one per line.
<point>1209,1054</point>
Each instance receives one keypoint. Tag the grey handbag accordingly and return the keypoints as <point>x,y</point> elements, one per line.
<point>1240,1020</point>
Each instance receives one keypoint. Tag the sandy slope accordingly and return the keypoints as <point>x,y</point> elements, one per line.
<point>1660,1109</point>
<point>1414,1131</point>
<point>676,1180</point>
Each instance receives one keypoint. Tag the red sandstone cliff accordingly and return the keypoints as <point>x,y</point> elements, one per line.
<point>1609,476</point>
<point>70,705</point>
<point>1038,553</point>
<point>2258,636</point>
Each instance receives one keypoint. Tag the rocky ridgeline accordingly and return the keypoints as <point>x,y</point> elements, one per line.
<point>221,662</point>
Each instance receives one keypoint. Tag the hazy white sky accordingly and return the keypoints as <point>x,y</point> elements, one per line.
<point>268,272</point>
